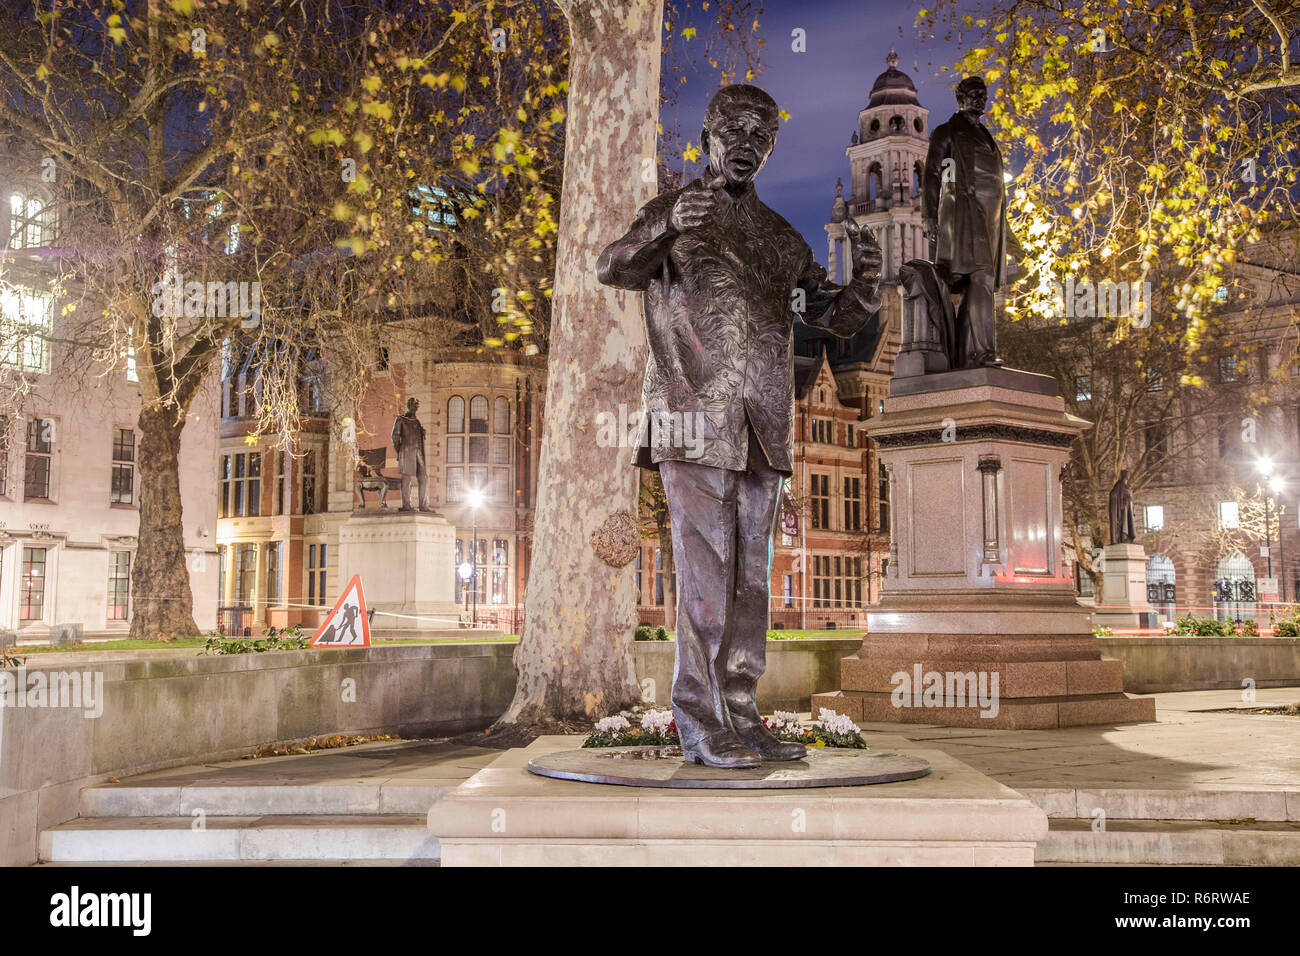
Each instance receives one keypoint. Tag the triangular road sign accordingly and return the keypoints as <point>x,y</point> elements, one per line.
<point>347,625</point>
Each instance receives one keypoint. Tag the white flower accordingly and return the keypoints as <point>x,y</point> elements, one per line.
<point>611,725</point>
<point>834,723</point>
<point>784,719</point>
<point>656,721</point>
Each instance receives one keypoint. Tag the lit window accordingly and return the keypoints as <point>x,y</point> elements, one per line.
<point>1154,517</point>
<point>1228,519</point>
<point>1083,388</point>
<point>26,320</point>
<point>119,584</point>
<point>30,223</point>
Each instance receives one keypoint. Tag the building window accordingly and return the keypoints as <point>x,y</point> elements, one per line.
<point>27,317</point>
<point>819,501</point>
<point>882,495</point>
<point>501,416</point>
<point>455,449</point>
<point>1227,368</point>
<point>123,492</point>
<point>639,595</point>
<point>1083,388</point>
<point>500,570</point>
<point>1155,381</point>
<point>119,584</point>
<point>309,483</point>
<point>221,574</point>
<point>317,562</point>
<point>241,485</point>
<point>659,577</point>
<point>31,223</point>
<point>787,590</point>
<point>1157,443</point>
<point>39,459</point>
<point>1228,518</point>
<point>32,587</point>
<point>480,571</point>
<point>852,504</point>
<point>245,573</point>
<point>1153,516</point>
<point>823,431</point>
<point>281,481</point>
<point>273,551</point>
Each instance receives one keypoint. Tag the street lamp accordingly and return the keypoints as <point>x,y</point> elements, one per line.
<point>1276,483</point>
<point>474,498</point>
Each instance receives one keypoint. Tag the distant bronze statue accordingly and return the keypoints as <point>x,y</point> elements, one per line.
<point>408,442</point>
<point>723,277</point>
<point>964,213</point>
<point>1121,511</point>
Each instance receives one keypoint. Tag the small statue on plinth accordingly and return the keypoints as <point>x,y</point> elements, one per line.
<point>1121,511</point>
<point>408,442</point>
<point>964,214</point>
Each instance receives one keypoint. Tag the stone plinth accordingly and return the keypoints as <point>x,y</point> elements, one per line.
<point>977,596</point>
<point>957,816</point>
<point>406,562</point>
<point>1124,604</point>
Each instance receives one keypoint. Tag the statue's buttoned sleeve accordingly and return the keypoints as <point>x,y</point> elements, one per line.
<point>840,310</point>
<point>632,261</point>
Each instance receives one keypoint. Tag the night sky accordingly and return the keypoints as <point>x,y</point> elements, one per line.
<point>823,89</point>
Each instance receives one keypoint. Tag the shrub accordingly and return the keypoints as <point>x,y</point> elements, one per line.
<point>644,632</point>
<point>1201,627</point>
<point>249,645</point>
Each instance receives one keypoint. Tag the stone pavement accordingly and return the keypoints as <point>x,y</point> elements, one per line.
<point>1186,748</point>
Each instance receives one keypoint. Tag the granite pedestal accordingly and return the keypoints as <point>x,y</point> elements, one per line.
<point>978,624</point>
<point>1124,605</point>
<point>406,562</point>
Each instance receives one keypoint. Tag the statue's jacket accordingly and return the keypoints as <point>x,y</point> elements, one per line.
<point>971,204</point>
<point>408,440</point>
<point>720,305</point>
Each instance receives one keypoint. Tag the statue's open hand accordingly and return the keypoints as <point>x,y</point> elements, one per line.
<point>694,206</point>
<point>867,257</point>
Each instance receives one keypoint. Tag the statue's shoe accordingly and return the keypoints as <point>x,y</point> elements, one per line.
<point>727,753</point>
<point>753,733</point>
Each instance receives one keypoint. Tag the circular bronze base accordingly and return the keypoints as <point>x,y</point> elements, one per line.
<point>665,767</point>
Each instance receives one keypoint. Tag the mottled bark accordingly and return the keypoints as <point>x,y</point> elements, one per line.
<point>575,659</point>
<point>162,603</point>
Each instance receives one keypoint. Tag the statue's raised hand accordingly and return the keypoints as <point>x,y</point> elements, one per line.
<point>866,257</point>
<point>695,205</point>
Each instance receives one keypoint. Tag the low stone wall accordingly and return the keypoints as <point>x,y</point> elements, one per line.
<point>1154,665</point>
<point>795,670</point>
<point>168,708</point>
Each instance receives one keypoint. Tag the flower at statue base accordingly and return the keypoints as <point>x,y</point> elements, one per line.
<point>659,729</point>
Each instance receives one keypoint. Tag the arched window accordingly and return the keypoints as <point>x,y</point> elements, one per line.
<point>917,173</point>
<point>895,124</point>
<point>31,223</point>
<point>1234,587</point>
<point>1161,592</point>
<point>478,415</point>
<point>455,449</point>
<point>501,416</point>
<point>875,181</point>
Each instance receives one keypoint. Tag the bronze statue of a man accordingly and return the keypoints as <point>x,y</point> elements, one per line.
<point>408,442</point>
<point>1121,511</point>
<point>964,212</point>
<point>724,278</point>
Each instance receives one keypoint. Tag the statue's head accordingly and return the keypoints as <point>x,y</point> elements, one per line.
<point>739,134</point>
<point>1123,475</point>
<point>972,95</point>
<point>412,406</point>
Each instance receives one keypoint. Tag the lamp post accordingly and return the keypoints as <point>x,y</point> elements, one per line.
<point>1275,483</point>
<point>474,499</point>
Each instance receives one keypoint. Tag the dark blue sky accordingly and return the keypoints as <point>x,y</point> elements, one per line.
<point>823,89</point>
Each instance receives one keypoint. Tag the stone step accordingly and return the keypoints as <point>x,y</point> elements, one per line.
<point>242,801</point>
<point>1171,843</point>
<point>157,839</point>
<point>1137,803</point>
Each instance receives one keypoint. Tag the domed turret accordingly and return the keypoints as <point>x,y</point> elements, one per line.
<point>893,87</point>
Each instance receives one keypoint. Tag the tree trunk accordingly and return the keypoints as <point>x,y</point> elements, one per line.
<point>163,605</point>
<point>574,659</point>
